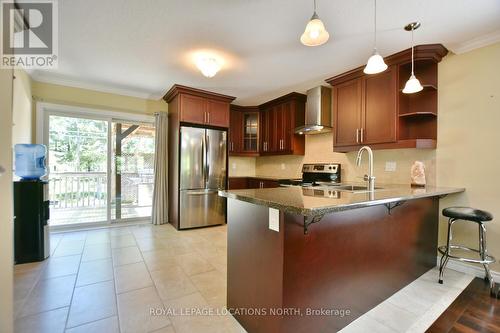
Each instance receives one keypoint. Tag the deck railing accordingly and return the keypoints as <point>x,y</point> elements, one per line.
<point>89,189</point>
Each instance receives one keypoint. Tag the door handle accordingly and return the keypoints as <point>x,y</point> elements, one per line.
<point>207,161</point>
<point>203,157</point>
<point>202,192</point>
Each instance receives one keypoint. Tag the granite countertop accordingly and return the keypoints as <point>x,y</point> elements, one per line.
<point>322,200</point>
<point>265,177</point>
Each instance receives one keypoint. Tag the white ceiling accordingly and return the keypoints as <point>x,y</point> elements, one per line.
<point>142,47</point>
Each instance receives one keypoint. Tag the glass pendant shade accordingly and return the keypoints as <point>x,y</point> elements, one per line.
<point>412,85</point>
<point>315,33</point>
<point>375,64</point>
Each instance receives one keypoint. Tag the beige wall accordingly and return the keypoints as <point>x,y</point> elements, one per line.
<point>468,152</point>
<point>241,166</point>
<point>319,150</point>
<point>53,93</point>
<point>6,209</point>
<point>22,108</point>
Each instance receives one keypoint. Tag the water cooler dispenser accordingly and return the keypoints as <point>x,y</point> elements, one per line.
<point>31,205</point>
<point>31,230</point>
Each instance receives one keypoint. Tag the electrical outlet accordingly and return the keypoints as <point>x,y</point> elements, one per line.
<point>233,166</point>
<point>283,167</point>
<point>390,166</point>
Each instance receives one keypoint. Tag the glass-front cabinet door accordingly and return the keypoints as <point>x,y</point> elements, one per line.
<point>251,131</point>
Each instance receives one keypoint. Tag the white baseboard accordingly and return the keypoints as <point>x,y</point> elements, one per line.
<point>471,269</point>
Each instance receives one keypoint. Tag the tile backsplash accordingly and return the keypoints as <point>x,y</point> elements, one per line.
<point>319,150</point>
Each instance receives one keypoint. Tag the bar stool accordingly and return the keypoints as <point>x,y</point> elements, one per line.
<point>473,215</point>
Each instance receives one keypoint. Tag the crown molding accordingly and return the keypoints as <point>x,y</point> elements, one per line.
<point>476,43</point>
<point>98,87</point>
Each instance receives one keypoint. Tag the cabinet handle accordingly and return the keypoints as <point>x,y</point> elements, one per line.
<point>362,130</point>
<point>208,117</point>
<point>357,135</point>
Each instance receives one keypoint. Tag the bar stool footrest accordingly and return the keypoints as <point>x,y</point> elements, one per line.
<point>487,260</point>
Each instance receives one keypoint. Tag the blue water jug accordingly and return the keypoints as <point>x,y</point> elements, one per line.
<point>30,161</point>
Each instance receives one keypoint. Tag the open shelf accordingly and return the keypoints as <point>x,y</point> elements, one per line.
<point>425,86</point>
<point>418,114</point>
<point>425,71</point>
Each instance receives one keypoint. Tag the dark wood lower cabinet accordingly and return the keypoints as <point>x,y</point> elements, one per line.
<point>350,261</point>
<point>238,183</point>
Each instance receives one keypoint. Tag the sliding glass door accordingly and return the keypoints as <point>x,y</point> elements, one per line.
<point>100,170</point>
<point>133,147</point>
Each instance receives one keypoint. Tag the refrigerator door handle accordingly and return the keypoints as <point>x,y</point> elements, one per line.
<point>203,158</point>
<point>207,148</point>
<point>202,192</point>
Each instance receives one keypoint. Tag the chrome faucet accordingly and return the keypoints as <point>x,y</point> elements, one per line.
<point>370,178</point>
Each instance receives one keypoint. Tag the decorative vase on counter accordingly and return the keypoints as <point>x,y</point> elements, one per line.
<point>418,174</point>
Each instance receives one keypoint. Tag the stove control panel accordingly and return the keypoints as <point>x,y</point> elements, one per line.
<point>321,168</point>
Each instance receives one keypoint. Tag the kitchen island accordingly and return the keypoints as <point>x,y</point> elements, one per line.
<point>314,259</point>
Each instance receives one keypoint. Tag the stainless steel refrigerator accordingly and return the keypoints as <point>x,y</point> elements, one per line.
<point>202,171</point>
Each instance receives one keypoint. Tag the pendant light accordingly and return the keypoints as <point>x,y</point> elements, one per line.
<point>315,33</point>
<point>375,63</point>
<point>413,84</point>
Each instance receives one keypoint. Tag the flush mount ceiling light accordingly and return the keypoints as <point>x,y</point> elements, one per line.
<point>315,33</point>
<point>413,84</point>
<point>375,63</point>
<point>208,65</point>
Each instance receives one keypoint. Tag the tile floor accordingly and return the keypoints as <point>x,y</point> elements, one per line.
<point>107,280</point>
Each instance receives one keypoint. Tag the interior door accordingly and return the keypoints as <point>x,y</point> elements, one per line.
<point>216,159</point>
<point>347,108</point>
<point>379,115</point>
<point>192,156</point>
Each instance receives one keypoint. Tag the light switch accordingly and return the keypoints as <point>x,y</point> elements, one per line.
<point>274,219</point>
<point>390,166</point>
<point>283,167</point>
<point>233,166</point>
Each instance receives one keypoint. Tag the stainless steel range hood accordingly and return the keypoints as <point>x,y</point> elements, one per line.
<point>318,111</point>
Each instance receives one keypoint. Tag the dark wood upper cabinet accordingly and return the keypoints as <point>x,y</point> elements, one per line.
<point>379,108</point>
<point>192,109</point>
<point>244,131</point>
<point>347,105</point>
<point>196,106</point>
<point>372,110</point>
<point>235,131</point>
<point>268,139</point>
<point>279,118</point>
<point>268,129</point>
<point>217,113</point>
